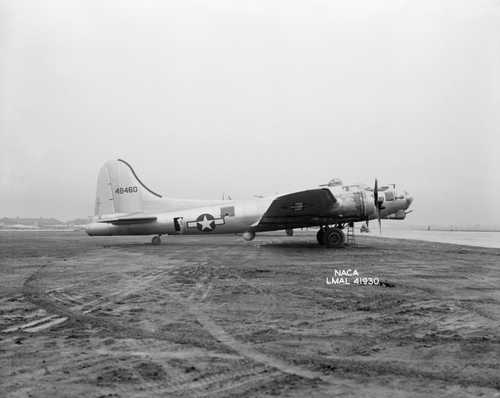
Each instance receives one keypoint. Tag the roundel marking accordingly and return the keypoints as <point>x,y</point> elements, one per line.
<point>205,222</point>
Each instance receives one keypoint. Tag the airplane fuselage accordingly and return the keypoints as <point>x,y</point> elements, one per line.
<point>124,205</point>
<point>228,217</point>
<point>240,216</point>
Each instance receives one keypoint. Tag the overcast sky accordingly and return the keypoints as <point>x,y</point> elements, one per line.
<point>251,98</point>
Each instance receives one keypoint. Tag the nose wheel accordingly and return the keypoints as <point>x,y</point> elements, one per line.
<point>156,240</point>
<point>331,237</point>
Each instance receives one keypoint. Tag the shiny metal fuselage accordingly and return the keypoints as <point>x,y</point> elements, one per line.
<point>239,216</point>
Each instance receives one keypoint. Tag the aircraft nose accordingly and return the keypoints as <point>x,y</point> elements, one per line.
<point>409,200</point>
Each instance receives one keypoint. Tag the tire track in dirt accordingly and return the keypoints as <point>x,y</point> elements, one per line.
<point>132,286</point>
<point>196,308</point>
<point>77,308</point>
<point>194,304</point>
<point>350,366</point>
<point>250,382</point>
<point>247,350</point>
<point>219,383</point>
<point>32,322</point>
<point>72,305</point>
<point>469,305</point>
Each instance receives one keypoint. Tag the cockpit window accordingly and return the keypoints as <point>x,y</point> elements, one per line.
<point>401,195</point>
<point>354,187</point>
<point>389,195</point>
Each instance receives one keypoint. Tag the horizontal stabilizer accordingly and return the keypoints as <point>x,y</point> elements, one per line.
<point>129,220</point>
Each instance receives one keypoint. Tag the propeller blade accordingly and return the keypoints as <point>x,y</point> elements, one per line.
<point>378,205</point>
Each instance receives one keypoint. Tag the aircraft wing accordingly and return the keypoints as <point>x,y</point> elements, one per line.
<point>299,208</point>
<point>128,219</point>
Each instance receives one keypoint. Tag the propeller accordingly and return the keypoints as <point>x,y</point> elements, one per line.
<point>378,205</point>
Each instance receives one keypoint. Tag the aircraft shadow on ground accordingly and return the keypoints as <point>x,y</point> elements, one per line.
<point>255,245</point>
<point>310,245</point>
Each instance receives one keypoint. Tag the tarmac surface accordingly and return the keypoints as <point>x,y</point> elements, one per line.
<point>469,238</point>
<point>215,316</point>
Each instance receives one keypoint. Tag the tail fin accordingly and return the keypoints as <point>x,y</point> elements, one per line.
<point>119,190</point>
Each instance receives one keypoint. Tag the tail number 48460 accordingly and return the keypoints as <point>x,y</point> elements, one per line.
<point>122,190</point>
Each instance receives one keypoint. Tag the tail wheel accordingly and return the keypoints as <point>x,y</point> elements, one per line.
<point>248,235</point>
<point>335,238</point>
<point>320,236</point>
<point>156,240</point>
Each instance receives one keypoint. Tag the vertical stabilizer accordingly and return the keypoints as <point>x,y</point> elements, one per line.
<point>119,190</point>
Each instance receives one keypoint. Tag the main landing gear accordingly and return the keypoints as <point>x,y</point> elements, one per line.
<point>331,237</point>
<point>156,240</point>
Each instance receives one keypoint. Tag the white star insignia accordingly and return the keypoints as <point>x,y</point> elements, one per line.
<point>206,223</point>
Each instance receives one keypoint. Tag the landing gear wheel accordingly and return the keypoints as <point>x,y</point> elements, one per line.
<point>156,240</point>
<point>335,237</point>
<point>320,236</point>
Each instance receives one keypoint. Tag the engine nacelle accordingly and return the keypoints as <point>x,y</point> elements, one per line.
<point>399,215</point>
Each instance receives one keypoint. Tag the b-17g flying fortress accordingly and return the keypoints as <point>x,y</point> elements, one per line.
<point>321,118</point>
<point>126,206</point>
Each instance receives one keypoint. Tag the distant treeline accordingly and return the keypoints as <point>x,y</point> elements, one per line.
<point>41,222</point>
<point>461,228</point>
<point>441,227</point>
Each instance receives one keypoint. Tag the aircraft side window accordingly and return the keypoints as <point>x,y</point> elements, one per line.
<point>389,195</point>
<point>227,211</point>
<point>177,224</point>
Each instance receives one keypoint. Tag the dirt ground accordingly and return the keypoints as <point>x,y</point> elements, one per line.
<point>215,316</point>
